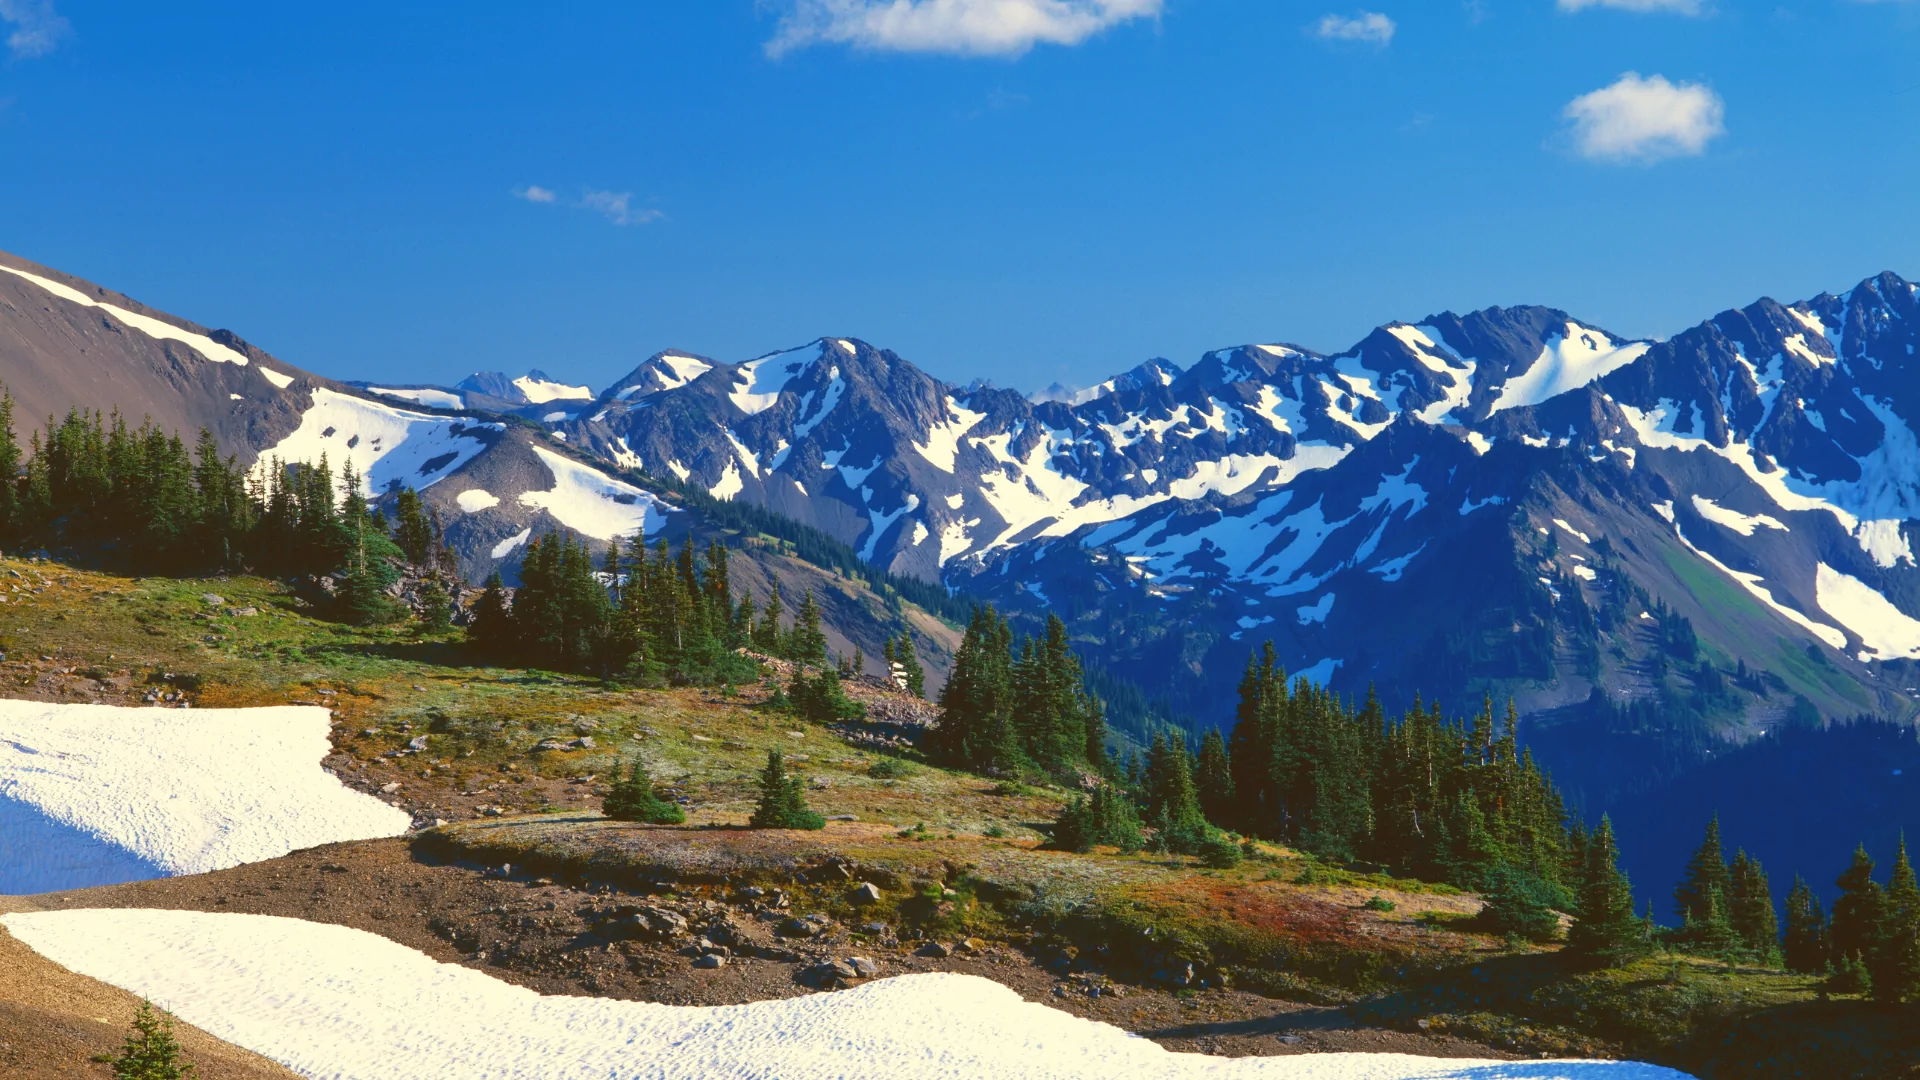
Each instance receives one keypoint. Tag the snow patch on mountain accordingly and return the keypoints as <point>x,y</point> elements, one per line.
<point>761,381</point>
<point>539,389</point>
<point>1885,632</point>
<point>505,547</point>
<point>386,444</point>
<point>146,324</point>
<point>101,794</point>
<point>1754,584</point>
<point>1733,519</point>
<point>592,503</point>
<point>438,399</point>
<point>1570,360</point>
<point>474,500</point>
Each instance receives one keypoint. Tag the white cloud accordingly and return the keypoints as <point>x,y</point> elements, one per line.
<point>618,207</point>
<point>1677,7</point>
<point>1644,120</point>
<point>535,193</point>
<point>963,27</point>
<point>1370,27</point>
<point>37,28</point>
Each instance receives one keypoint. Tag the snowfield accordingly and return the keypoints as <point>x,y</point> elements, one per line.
<point>334,1002</point>
<point>102,794</point>
<point>385,444</point>
<point>592,503</point>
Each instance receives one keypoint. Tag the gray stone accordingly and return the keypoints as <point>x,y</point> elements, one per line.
<point>418,742</point>
<point>865,893</point>
<point>213,598</point>
<point>934,949</point>
<point>711,960</point>
<point>863,967</point>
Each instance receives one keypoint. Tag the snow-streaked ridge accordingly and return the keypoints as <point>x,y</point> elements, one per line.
<point>335,1002</point>
<point>146,324</point>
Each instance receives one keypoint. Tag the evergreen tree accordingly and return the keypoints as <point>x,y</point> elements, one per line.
<point>782,805</point>
<point>1107,817</point>
<point>411,530</point>
<point>975,729</point>
<point>1213,777</point>
<point>1750,908</point>
<point>1520,904</point>
<point>916,676</point>
<point>1859,911</point>
<point>766,632</point>
<point>10,471</point>
<point>367,571</point>
<point>490,630</point>
<point>809,645</point>
<point>436,605</point>
<point>1172,805</point>
<point>1805,945</point>
<point>1606,931</point>
<point>150,1052</point>
<point>822,699</point>
<point>1895,963</point>
<point>633,799</point>
<point>1706,872</point>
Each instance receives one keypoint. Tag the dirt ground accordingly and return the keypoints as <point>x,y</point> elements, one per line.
<point>555,938</point>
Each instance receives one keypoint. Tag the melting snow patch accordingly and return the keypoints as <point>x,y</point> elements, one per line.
<point>765,378</point>
<point>1468,506</point>
<point>1585,573</point>
<point>474,500</point>
<point>1734,519</point>
<point>1570,360</point>
<point>101,794</point>
<point>346,1004</point>
<point>943,439</point>
<point>1752,583</point>
<point>146,324</point>
<point>283,380</point>
<point>438,399</point>
<point>1584,538</point>
<point>1886,631</point>
<point>1315,612</point>
<point>387,445</point>
<point>541,391</point>
<point>593,503</point>
<point>1320,674</point>
<point>501,549</point>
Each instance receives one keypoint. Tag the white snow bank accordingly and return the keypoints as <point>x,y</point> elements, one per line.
<point>1734,519</point>
<point>439,399</point>
<point>101,794</point>
<point>330,1001</point>
<point>762,381</point>
<point>1569,361</point>
<point>1886,632</point>
<point>146,324</point>
<point>387,445</point>
<point>541,391</point>
<point>474,500</point>
<point>593,503</point>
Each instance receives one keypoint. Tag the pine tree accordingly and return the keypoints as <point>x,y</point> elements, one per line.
<point>782,805</point>
<point>909,662</point>
<point>1750,908</point>
<point>1805,944</point>
<point>975,729</point>
<point>766,632</point>
<point>1172,806</point>
<point>436,606</point>
<point>1895,963</point>
<point>1213,776</point>
<point>150,1052</point>
<point>1106,818</point>
<point>9,472</point>
<point>633,799</point>
<point>1706,872</point>
<point>1606,931</point>
<point>490,630</point>
<point>809,641</point>
<point>1859,911</point>
<point>411,531</point>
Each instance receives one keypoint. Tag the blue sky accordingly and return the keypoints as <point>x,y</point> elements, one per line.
<point>1026,190</point>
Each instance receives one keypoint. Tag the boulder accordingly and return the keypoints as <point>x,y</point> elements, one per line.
<point>863,967</point>
<point>711,960</point>
<point>865,893</point>
<point>934,949</point>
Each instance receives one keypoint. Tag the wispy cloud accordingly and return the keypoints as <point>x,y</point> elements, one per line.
<point>618,207</point>
<point>1643,120</point>
<point>960,27</point>
<point>615,206</point>
<point>1671,7</point>
<point>1366,27</point>
<point>36,27</point>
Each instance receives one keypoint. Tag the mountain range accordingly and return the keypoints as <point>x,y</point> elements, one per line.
<point>1659,550</point>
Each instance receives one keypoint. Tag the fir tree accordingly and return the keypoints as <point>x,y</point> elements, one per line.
<point>1520,904</point>
<point>766,632</point>
<point>1858,912</point>
<point>916,676</point>
<point>1706,872</point>
<point>1173,807</point>
<point>1606,932</point>
<point>411,530</point>
<point>782,805</point>
<point>1805,944</point>
<point>1213,777</point>
<point>1106,818</point>
<point>1895,964</point>
<point>436,606</point>
<point>809,645</point>
<point>490,630</point>
<point>150,1052</point>
<point>633,799</point>
<point>1750,908</point>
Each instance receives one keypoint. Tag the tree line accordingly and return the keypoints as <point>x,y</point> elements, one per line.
<point>1869,944</point>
